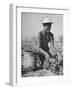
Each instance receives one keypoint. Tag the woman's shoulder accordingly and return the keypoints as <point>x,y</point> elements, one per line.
<point>40,33</point>
<point>51,33</point>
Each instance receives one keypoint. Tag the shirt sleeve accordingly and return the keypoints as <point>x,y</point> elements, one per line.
<point>52,40</point>
<point>39,40</point>
<point>52,37</point>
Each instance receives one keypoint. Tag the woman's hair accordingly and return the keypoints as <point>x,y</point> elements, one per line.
<point>47,24</point>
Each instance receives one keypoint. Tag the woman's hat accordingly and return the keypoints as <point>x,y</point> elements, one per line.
<point>46,20</point>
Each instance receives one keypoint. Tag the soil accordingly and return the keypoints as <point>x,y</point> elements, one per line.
<point>38,73</point>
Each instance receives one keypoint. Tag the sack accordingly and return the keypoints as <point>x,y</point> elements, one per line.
<point>46,64</point>
<point>52,51</point>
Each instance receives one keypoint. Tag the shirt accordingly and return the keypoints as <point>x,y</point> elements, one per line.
<point>44,39</point>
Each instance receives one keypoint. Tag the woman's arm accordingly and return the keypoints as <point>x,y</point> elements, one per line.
<point>52,45</point>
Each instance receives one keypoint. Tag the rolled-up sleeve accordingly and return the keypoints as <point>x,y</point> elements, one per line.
<point>52,37</point>
<point>52,40</point>
<point>39,40</point>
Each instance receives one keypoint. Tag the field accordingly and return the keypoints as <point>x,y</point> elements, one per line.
<point>31,63</point>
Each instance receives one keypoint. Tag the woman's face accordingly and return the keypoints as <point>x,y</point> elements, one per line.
<point>47,28</point>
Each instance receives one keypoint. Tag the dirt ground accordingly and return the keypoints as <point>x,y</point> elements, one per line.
<point>38,73</point>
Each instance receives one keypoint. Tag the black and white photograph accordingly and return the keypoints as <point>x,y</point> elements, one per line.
<point>41,44</point>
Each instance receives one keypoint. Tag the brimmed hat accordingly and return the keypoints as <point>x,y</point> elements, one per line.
<point>46,20</point>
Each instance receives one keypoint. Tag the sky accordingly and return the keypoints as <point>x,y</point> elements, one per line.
<point>31,24</point>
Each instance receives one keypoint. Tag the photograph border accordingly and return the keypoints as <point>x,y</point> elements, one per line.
<point>15,44</point>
